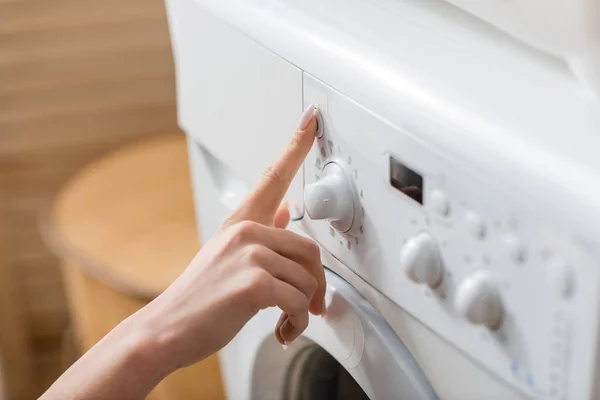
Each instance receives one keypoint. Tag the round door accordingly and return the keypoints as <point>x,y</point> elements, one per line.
<point>351,354</point>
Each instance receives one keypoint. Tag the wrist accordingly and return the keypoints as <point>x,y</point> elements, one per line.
<point>145,350</point>
<point>155,339</point>
<point>126,363</point>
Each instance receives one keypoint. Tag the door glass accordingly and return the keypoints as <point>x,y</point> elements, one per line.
<point>316,375</point>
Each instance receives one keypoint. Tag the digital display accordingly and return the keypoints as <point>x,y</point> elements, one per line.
<point>406,180</point>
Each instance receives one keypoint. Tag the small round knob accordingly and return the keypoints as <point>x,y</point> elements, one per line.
<point>331,198</point>
<point>478,300</point>
<point>421,260</point>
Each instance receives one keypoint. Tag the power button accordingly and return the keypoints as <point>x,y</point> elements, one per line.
<point>562,278</point>
<point>439,202</point>
<point>320,125</point>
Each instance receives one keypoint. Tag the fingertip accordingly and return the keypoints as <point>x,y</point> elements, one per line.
<point>288,332</point>
<point>317,305</point>
<point>307,117</point>
<point>282,318</point>
<point>310,129</point>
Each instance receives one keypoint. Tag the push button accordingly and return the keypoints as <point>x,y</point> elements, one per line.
<point>439,202</point>
<point>475,225</point>
<point>516,249</point>
<point>320,125</point>
<point>562,278</point>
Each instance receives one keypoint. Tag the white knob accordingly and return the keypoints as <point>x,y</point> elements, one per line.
<point>331,198</point>
<point>421,260</point>
<point>478,300</point>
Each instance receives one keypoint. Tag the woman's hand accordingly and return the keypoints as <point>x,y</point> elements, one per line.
<point>250,264</point>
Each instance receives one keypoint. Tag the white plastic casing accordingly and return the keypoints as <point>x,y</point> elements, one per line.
<point>569,29</point>
<point>495,131</point>
<point>503,299</point>
<point>217,99</point>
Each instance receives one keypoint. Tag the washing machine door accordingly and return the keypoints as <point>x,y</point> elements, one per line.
<point>350,354</point>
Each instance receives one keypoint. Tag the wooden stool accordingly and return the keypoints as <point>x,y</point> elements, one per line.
<point>124,229</point>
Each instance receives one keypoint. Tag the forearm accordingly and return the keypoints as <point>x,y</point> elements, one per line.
<point>126,364</point>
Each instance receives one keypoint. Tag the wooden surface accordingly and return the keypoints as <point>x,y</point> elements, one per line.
<point>16,376</point>
<point>131,215</point>
<point>125,229</point>
<point>77,78</point>
<point>97,308</point>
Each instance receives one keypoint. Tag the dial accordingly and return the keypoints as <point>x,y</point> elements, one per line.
<point>332,198</point>
<point>421,260</point>
<point>478,300</point>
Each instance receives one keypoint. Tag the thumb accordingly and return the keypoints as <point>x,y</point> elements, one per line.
<point>282,216</point>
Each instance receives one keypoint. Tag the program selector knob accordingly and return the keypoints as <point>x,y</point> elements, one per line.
<point>478,300</point>
<point>332,198</point>
<point>421,260</point>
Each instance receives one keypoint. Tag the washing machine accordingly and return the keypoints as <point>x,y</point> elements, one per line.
<point>466,265</point>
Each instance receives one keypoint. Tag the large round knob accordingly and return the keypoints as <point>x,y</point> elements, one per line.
<point>478,300</point>
<point>331,198</point>
<point>421,261</point>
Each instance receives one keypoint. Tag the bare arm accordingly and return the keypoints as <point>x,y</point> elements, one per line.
<point>126,364</point>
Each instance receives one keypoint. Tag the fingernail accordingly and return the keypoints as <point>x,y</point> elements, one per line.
<point>285,342</point>
<point>324,310</point>
<point>284,346</point>
<point>306,117</point>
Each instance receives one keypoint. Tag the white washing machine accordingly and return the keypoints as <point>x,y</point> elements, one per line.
<point>467,264</point>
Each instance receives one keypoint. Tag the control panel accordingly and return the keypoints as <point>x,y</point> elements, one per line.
<point>482,267</point>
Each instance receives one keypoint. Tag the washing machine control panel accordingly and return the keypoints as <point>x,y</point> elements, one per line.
<point>482,268</point>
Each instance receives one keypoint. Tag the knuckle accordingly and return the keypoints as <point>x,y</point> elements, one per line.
<point>255,254</point>
<point>258,286</point>
<point>234,218</point>
<point>259,278</point>
<point>303,323</point>
<point>300,323</point>
<point>228,221</point>
<point>247,229</point>
<point>301,305</point>
<point>272,175</point>
<point>243,232</point>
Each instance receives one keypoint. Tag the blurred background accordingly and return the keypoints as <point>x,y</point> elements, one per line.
<point>79,79</point>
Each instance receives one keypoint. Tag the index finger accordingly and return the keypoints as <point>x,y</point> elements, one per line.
<point>263,202</point>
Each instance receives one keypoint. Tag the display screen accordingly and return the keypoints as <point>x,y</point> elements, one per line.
<point>406,180</point>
